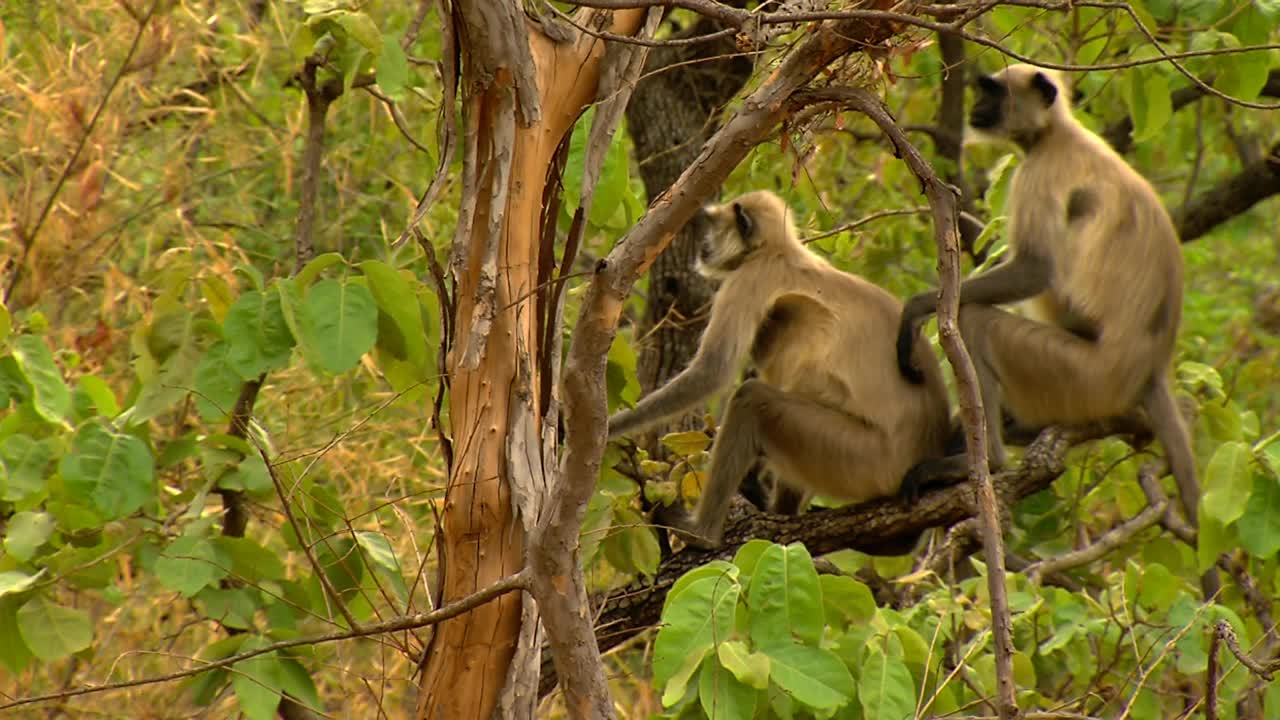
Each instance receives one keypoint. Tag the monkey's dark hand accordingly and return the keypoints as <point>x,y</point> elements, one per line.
<point>907,342</point>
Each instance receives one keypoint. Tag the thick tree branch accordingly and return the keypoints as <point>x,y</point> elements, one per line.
<point>1233,196</point>
<point>881,527</point>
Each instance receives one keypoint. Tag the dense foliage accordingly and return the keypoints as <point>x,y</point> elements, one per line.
<point>153,180</point>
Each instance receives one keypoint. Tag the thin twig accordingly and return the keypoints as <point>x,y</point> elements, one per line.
<point>30,239</point>
<point>405,622</point>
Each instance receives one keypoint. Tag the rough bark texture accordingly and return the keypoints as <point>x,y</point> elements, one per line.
<point>669,117</point>
<point>522,93</point>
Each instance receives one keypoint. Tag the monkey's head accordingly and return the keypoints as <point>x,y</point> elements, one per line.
<point>730,233</point>
<point>1019,103</point>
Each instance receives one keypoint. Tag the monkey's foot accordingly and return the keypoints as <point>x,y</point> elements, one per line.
<point>682,525</point>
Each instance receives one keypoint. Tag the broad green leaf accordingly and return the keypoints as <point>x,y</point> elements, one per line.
<point>26,463</point>
<point>405,336</point>
<point>249,560</point>
<point>748,556</point>
<point>217,383</point>
<point>723,696</point>
<point>713,569</point>
<point>1243,75</point>
<point>1212,540</point>
<point>843,596</point>
<point>1259,527</point>
<point>1227,482</point>
<point>52,398</point>
<point>785,598</point>
<point>379,549</point>
<point>1000,176</point>
<point>190,564</point>
<point>361,27</point>
<point>752,668</point>
<point>631,545</point>
<point>885,688</point>
<point>257,682</point>
<point>26,533</point>
<point>258,336</point>
<point>692,623</point>
<point>15,581</point>
<point>14,653</point>
<point>177,372</point>
<point>314,267</point>
<point>205,686</point>
<point>393,67</point>
<point>813,676</point>
<point>6,322</point>
<point>1150,102</point>
<point>250,475</point>
<point>232,607</point>
<point>295,680</point>
<point>1222,421</point>
<point>114,471</point>
<point>344,318</point>
<point>342,564</point>
<point>94,396</point>
<point>52,631</point>
<point>686,443</point>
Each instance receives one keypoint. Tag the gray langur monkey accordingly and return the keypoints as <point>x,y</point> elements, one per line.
<point>1094,248</point>
<point>829,411</point>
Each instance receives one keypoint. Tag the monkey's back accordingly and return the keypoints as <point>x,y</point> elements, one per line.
<point>1116,260</point>
<point>829,336</point>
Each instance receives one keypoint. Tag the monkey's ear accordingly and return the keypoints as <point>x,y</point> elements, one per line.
<point>745,225</point>
<point>1048,91</point>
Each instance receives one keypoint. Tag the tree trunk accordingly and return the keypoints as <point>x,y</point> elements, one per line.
<point>669,117</point>
<point>522,93</point>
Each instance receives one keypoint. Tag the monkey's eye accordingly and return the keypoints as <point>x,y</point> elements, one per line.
<point>990,85</point>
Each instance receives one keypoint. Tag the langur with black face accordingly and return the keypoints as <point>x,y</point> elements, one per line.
<point>829,411</point>
<point>1096,252</point>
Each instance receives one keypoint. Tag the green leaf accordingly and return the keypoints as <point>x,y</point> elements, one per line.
<point>361,27</point>
<point>785,598</point>
<point>723,696</point>
<point>1150,102</point>
<point>1243,75</point>
<point>379,549</point>
<point>1259,527</point>
<point>748,556</point>
<point>113,470</point>
<point>752,668</point>
<point>97,396</point>
<point>26,463</point>
<point>257,682</point>
<point>699,617</point>
<point>16,581</point>
<point>6,322</point>
<point>631,545</point>
<point>405,336</point>
<point>813,676</point>
<point>885,687</point>
<point>295,680</point>
<point>52,398</point>
<point>344,320</point>
<point>849,598</point>
<point>314,267</point>
<point>177,373</point>
<point>258,335</point>
<point>14,653</point>
<point>217,383</point>
<point>1212,540</point>
<point>1228,482</point>
<point>686,443</point>
<point>52,631</point>
<point>26,533</point>
<point>393,68</point>
<point>190,564</point>
<point>250,561</point>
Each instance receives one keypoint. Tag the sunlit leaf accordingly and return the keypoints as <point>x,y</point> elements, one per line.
<point>53,631</point>
<point>52,397</point>
<point>112,470</point>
